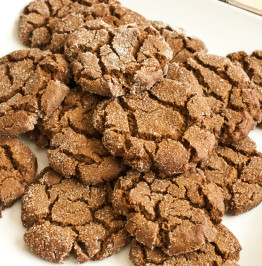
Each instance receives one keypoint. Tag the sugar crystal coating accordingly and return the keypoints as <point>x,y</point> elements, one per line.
<point>165,129</point>
<point>74,154</point>
<point>252,65</point>
<point>46,24</point>
<point>114,61</point>
<point>64,217</point>
<point>237,169</point>
<point>228,90</point>
<point>32,86</point>
<point>223,250</point>
<point>182,46</point>
<point>18,167</point>
<point>76,111</point>
<point>175,214</point>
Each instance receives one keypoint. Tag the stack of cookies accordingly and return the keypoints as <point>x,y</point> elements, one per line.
<point>146,136</point>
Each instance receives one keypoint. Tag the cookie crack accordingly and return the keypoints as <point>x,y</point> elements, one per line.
<point>15,164</point>
<point>238,167</point>
<point>80,158</point>
<point>206,88</point>
<point>222,73</point>
<point>188,48</point>
<point>132,123</point>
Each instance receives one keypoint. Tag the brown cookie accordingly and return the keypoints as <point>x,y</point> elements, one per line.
<point>18,168</point>
<point>76,111</point>
<point>36,136</point>
<point>228,90</point>
<point>237,169</point>
<point>46,24</point>
<point>74,154</point>
<point>223,250</point>
<point>32,86</point>
<point>165,129</point>
<point>182,46</point>
<point>114,61</point>
<point>63,216</point>
<point>252,64</point>
<point>175,214</point>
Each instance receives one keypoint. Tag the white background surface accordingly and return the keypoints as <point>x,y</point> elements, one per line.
<point>224,29</point>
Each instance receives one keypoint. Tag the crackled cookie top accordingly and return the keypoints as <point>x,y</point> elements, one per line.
<point>182,46</point>
<point>176,214</point>
<point>74,154</point>
<point>223,250</point>
<point>228,90</point>
<point>237,169</point>
<point>76,111</point>
<point>252,64</point>
<point>46,24</point>
<point>32,86</point>
<point>115,61</point>
<point>163,129</point>
<point>18,167</point>
<point>63,217</point>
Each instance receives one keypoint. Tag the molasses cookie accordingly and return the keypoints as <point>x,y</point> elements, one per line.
<point>76,111</point>
<point>165,129</point>
<point>32,86</point>
<point>237,169</point>
<point>253,67</point>
<point>228,90</point>
<point>223,250</point>
<point>74,154</point>
<point>182,46</point>
<point>114,61</point>
<point>18,168</point>
<point>176,214</point>
<point>46,24</point>
<point>64,217</point>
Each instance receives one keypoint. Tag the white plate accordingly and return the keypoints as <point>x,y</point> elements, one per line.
<point>224,29</point>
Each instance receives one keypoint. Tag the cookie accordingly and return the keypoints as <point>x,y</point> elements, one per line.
<point>32,86</point>
<point>76,111</point>
<point>64,217</point>
<point>252,65</point>
<point>18,169</point>
<point>182,46</point>
<point>74,154</point>
<point>46,24</point>
<point>115,61</point>
<point>228,91</point>
<point>176,214</point>
<point>165,129</point>
<point>223,250</point>
<point>237,169</point>
<point>38,138</point>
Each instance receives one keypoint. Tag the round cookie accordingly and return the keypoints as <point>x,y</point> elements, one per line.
<point>46,24</point>
<point>182,46</point>
<point>223,250</point>
<point>237,169</point>
<point>74,154</point>
<point>114,61</point>
<point>32,87</point>
<point>176,214</point>
<point>18,168</point>
<point>252,65</point>
<point>64,217</point>
<point>228,91</point>
<point>165,129</point>
<point>76,111</point>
